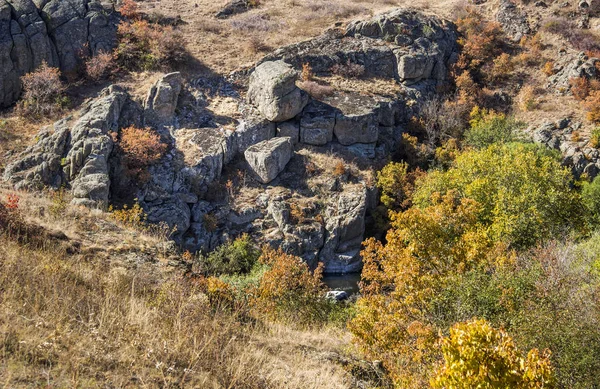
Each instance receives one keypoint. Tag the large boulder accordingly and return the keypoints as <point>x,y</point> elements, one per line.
<point>86,164</point>
<point>57,32</point>
<point>162,99</point>
<point>274,92</point>
<point>205,152</point>
<point>268,158</point>
<point>252,129</point>
<point>40,165</point>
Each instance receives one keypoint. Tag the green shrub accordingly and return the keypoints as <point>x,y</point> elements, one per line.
<point>396,184</point>
<point>489,127</point>
<point>595,138</point>
<point>590,194</point>
<point>236,257</point>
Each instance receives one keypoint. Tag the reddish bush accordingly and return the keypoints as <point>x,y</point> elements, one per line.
<point>130,9</point>
<point>146,46</point>
<point>288,291</point>
<point>12,201</point>
<point>315,89</point>
<point>100,66</point>
<point>481,39</point>
<point>141,148</point>
<point>592,105</point>
<point>580,87</point>
<point>43,91</point>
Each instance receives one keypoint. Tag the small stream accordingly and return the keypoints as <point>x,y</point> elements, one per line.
<point>346,282</point>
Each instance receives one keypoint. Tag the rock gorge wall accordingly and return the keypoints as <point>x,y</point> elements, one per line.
<point>278,125</point>
<point>58,32</point>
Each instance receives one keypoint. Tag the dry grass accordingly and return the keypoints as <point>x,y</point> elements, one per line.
<point>94,319</point>
<point>216,43</point>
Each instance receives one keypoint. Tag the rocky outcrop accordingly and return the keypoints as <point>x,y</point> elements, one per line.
<point>579,156</point>
<point>513,21</point>
<point>317,123</point>
<point>200,189</point>
<point>234,7</point>
<point>75,154</point>
<point>86,164</point>
<point>274,92</point>
<point>290,129</point>
<point>402,44</point>
<point>60,33</point>
<point>572,65</point>
<point>268,158</point>
<point>41,164</point>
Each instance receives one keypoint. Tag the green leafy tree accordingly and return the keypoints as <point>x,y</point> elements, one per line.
<point>236,257</point>
<point>524,192</point>
<point>397,319</point>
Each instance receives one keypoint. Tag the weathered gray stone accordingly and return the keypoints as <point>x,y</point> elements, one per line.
<point>357,127</point>
<point>205,152</point>
<point>513,20</point>
<point>268,158</point>
<point>234,7</point>
<point>41,164</point>
<point>274,92</point>
<point>162,98</point>
<point>87,160</point>
<point>290,129</point>
<point>345,227</point>
<point>251,130</point>
<point>317,123</point>
<point>77,155</point>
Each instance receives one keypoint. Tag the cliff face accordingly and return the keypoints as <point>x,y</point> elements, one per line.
<point>59,32</point>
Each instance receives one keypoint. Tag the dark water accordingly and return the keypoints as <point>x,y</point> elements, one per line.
<point>345,282</point>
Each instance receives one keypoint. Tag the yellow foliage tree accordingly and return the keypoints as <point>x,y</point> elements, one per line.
<point>476,355</point>
<point>396,320</point>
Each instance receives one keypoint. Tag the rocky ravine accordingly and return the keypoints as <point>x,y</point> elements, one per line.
<point>279,126</point>
<point>58,32</point>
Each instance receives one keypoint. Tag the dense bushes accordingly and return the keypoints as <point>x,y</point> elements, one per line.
<point>145,46</point>
<point>524,193</point>
<point>396,184</point>
<point>462,252</point>
<point>236,257</point>
<point>397,321</point>
<point>288,291</point>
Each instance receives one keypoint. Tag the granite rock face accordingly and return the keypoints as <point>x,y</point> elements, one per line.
<point>57,32</point>
<point>513,21</point>
<point>74,153</point>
